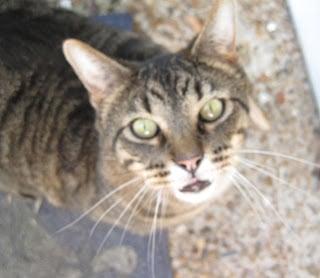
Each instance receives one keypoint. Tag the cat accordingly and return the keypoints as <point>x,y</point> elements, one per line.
<point>106,122</point>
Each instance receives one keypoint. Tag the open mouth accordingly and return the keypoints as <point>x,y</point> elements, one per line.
<point>195,186</point>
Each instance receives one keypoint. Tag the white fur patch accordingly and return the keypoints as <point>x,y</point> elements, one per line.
<point>179,178</point>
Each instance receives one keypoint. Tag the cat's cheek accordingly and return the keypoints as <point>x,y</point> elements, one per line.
<point>206,170</point>
<point>178,177</point>
<point>237,141</point>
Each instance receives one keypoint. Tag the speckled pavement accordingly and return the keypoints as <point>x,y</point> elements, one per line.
<point>277,235</point>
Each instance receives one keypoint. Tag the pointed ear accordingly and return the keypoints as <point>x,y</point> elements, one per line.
<point>218,35</point>
<point>257,116</point>
<point>98,73</point>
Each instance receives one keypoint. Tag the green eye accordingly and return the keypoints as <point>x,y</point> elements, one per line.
<point>144,128</point>
<point>212,110</point>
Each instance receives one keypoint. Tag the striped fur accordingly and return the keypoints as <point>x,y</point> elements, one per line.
<point>55,144</point>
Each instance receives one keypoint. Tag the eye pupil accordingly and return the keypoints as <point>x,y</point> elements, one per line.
<point>144,128</point>
<point>212,110</point>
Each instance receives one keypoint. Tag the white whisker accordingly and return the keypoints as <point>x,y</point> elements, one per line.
<point>257,167</point>
<point>154,234</point>
<point>163,210</point>
<point>266,201</point>
<point>281,155</point>
<point>107,196</point>
<point>131,216</point>
<point>119,218</point>
<point>101,218</point>
<point>247,198</point>
<point>149,237</point>
<point>264,167</point>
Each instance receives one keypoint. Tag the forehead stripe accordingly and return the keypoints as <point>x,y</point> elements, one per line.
<point>197,88</point>
<point>146,104</point>
<point>156,94</point>
<point>185,87</point>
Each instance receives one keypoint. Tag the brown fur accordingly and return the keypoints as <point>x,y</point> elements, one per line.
<point>60,144</point>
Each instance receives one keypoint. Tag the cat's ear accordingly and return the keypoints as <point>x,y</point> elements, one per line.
<point>257,116</point>
<point>99,74</point>
<point>218,35</point>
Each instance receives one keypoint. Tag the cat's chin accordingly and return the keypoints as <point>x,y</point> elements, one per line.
<point>202,193</point>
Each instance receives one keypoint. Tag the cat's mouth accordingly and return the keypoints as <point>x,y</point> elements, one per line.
<point>195,186</point>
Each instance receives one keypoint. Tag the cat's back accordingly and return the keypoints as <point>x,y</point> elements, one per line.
<point>32,35</point>
<point>42,103</point>
<point>31,58</point>
<point>45,114</point>
<point>32,65</point>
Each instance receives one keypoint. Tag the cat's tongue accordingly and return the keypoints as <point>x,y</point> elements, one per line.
<point>195,186</point>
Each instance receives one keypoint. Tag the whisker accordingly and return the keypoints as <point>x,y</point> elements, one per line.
<point>281,155</point>
<point>149,203</point>
<point>247,198</point>
<point>106,197</point>
<point>155,198</point>
<point>266,201</point>
<point>251,194</point>
<point>264,167</point>
<point>154,234</point>
<point>134,210</point>
<point>149,237</point>
<point>163,210</point>
<point>257,167</point>
<point>95,226</point>
<point>119,218</point>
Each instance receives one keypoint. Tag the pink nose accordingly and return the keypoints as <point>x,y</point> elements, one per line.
<point>191,164</point>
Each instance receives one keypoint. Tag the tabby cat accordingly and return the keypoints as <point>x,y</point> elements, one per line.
<point>102,121</point>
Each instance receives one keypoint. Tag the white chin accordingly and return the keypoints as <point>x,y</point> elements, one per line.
<point>213,191</point>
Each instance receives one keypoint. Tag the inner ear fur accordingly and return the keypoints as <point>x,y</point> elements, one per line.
<point>218,36</point>
<point>100,74</point>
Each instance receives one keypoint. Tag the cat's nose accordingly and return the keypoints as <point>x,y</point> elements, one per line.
<point>191,164</point>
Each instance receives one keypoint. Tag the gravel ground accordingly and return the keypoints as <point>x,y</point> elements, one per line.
<point>231,239</point>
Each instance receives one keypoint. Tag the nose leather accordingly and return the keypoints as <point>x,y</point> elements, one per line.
<point>187,151</point>
<point>191,164</point>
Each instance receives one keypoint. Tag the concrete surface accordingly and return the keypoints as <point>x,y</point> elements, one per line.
<point>231,239</point>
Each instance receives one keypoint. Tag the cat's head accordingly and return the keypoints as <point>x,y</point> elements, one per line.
<point>173,121</point>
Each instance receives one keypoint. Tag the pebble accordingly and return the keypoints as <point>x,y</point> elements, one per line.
<point>264,98</point>
<point>67,4</point>
<point>272,27</point>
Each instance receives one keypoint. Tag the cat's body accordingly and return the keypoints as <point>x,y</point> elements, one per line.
<point>60,144</point>
<point>48,139</point>
<point>49,144</point>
